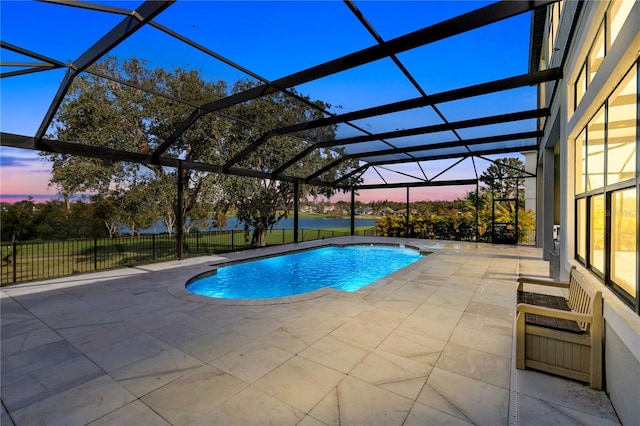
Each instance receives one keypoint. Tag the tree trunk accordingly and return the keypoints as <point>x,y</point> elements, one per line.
<point>259,238</point>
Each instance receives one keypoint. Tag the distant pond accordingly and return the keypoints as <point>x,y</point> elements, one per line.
<point>303,223</point>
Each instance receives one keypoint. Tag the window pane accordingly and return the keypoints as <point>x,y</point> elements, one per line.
<point>581,160</point>
<point>624,234</point>
<point>596,246</point>
<point>581,228</point>
<point>595,151</point>
<point>621,137</point>
<point>618,13</point>
<point>596,55</point>
<point>580,85</point>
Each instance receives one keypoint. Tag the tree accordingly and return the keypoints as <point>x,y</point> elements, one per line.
<point>18,220</point>
<point>505,178</point>
<point>261,203</point>
<point>103,113</point>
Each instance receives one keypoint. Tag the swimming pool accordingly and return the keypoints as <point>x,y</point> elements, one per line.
<point>344,268</point>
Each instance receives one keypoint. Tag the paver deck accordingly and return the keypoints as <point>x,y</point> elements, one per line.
<point>430,344</point>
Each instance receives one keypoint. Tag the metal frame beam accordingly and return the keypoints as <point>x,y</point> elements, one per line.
<point>495,119</point>
<point>143,14</point>
<point>450,95</point>
<point>418,184</point>
<point>429,147</point>
<point>469,21</point>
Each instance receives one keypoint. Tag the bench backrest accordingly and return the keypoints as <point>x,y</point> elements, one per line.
<point>583,298</point>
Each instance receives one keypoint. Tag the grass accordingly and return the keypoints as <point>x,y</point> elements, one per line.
<point>51,259</point>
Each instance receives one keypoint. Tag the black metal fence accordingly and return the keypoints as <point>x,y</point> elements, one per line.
<point>35,260</point>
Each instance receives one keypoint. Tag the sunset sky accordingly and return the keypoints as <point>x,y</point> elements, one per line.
<point>248,34</point>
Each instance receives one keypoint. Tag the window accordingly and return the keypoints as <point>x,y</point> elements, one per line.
<point>624,240</point>
<point>621,131</point>
<point>581,163</point>
<point>596,54</point>
<point>581,229</point>
<point>580,85</point>
<point>607,187</point>
<point>596,228</point>
<point>609,29</point>
<point>618,12</point>
<point>595,151</point>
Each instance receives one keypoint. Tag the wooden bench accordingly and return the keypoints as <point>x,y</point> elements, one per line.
<point>561,336</point>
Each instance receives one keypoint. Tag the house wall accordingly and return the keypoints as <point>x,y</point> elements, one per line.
<point>622,324</point>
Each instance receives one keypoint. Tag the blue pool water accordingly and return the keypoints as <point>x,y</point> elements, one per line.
<point>344,268</point>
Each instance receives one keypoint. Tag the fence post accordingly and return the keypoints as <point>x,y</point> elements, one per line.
<point>153,246</point>
<point>197,241</point>
<point>232,232</point>
<point>283,236</point>
<point>95,253</point>
<point>15,261</point>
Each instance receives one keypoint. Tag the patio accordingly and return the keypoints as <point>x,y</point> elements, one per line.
<point>430,344</point>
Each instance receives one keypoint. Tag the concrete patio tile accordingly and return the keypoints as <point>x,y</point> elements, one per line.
<point>181,331</point>
<point>408,293</point>
<point>5,419</point>
<point>479,322</point>
<point>380,368</point>
<point>251,361</point>
<point>322,321</point>
<point>43,300</point>
<point>127,352</point>
<point>478,365</point>
<point>491,310</point>
<point>79,405</point>
<point>429,312</point>
<point>251,406</point>
<point>362,332</point>
<point>418,324</point>
<point>255,326</point>
<point>433,340</point>
<point>159,317</point>
<point>485,341</point>
<point>192,397</point>
<point>150,373</point>
<point>108,299</point>
<point>48,381</point>
<point>535,412</point>
<point>134,413</point>
<point>482,403</point>
<point>214,344</point>
<point>335,353</point>
<point>73,316</point>
<point>417,347</point>
<point>493,299</point>
<point>89,338</point>
<point>348,308</point>
<point>462,282</point>
<point>310,421</point>
<point>455,304</point>
<point>291,338</point>
<point>37,358</point>
<point>585,418</point>
<point>404,307</point>
<point>381,316</point>
<point>565,393</point>
<point>430,397</point>
<point>360,403</point>
<point>12,311</point>
<point>300,383</point>
<point>22,335</point>
<point>424,415</point>
<point>455,293</point>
